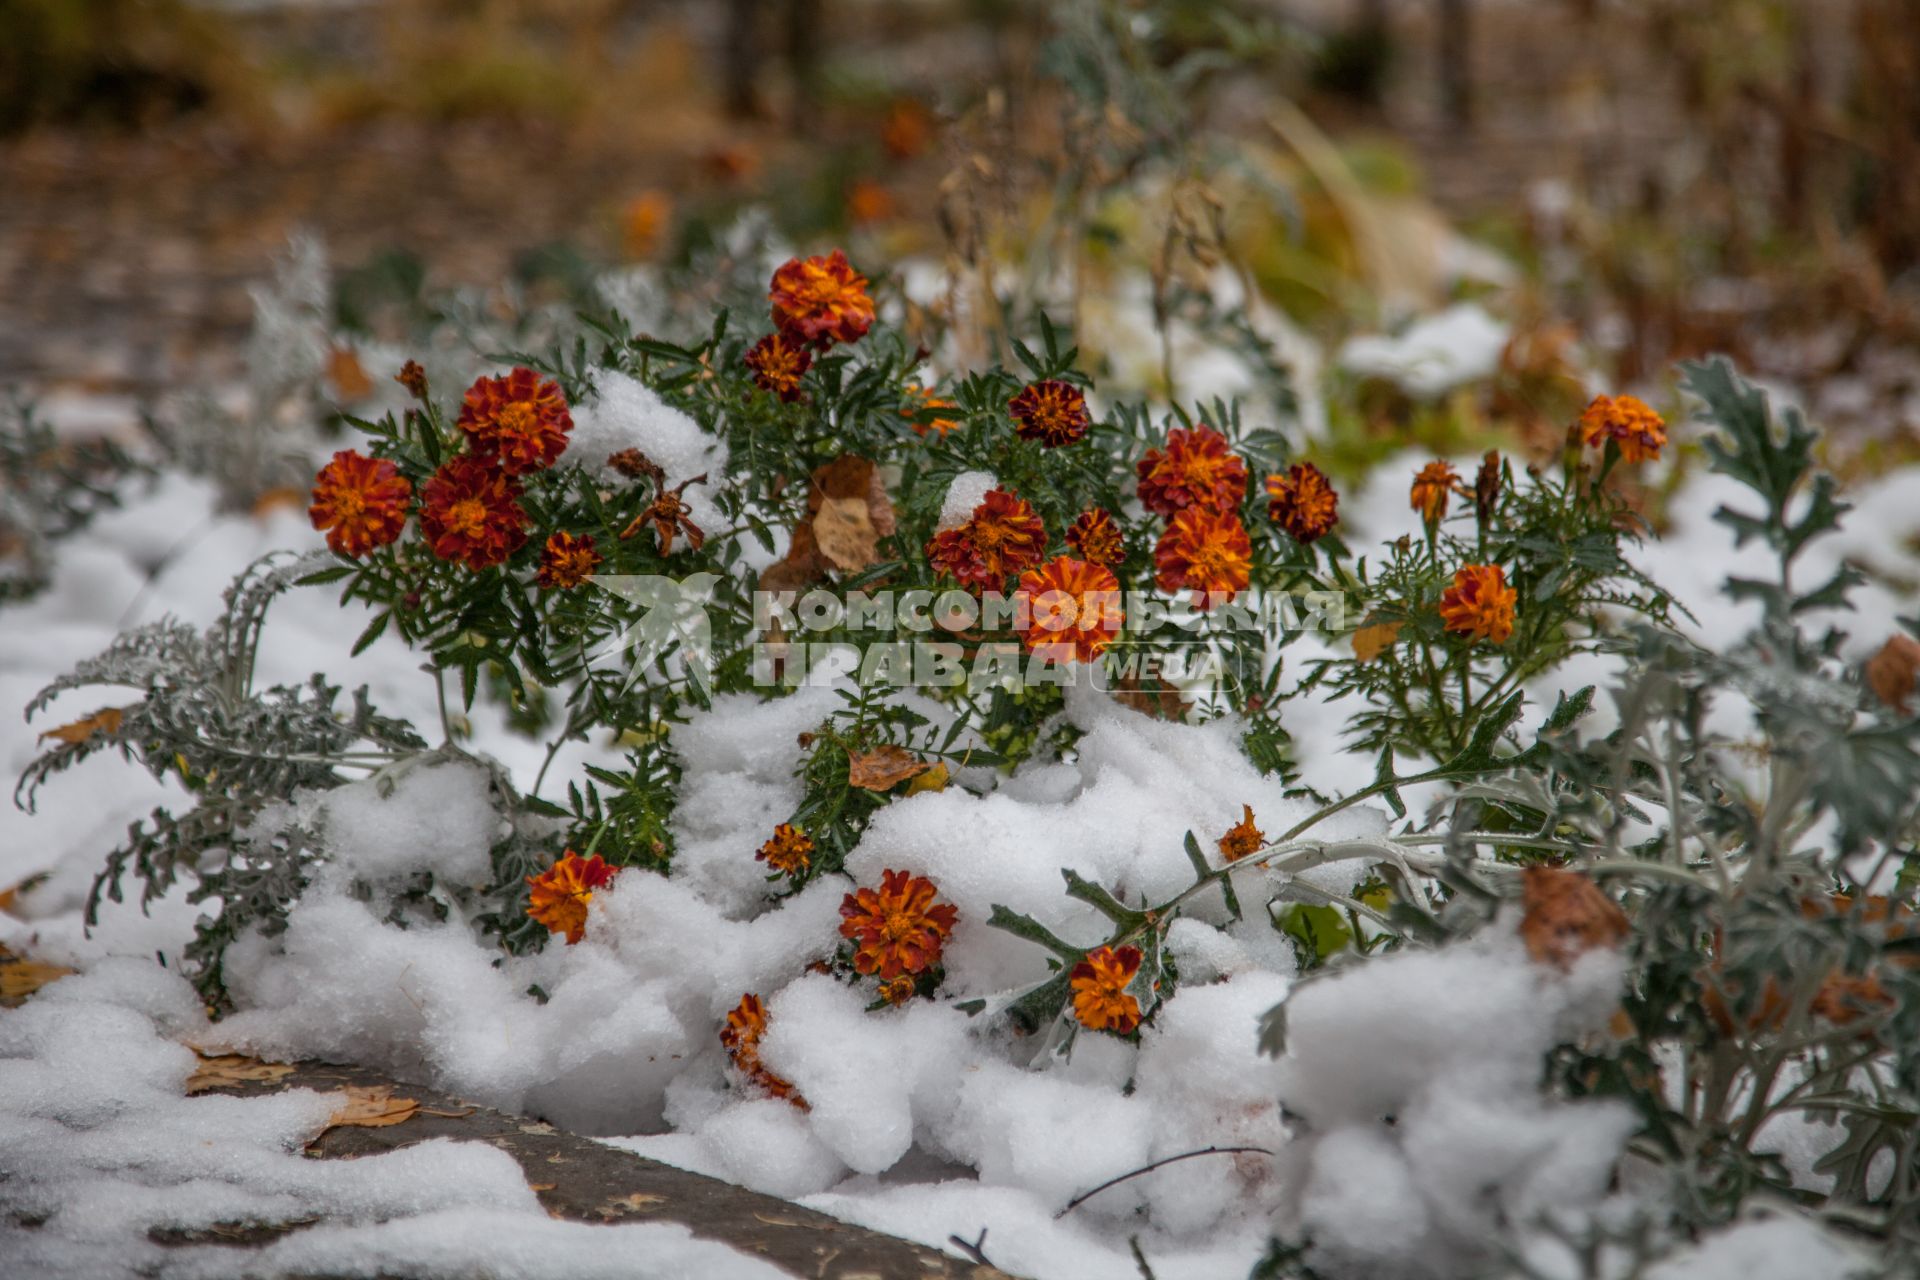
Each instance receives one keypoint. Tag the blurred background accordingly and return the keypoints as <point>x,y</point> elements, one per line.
<point>1619,182</point>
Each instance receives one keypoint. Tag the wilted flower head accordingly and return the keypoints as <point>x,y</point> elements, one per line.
<point>1640,432</point>
<point>1479,604</point>
<point>360,502</point>
<point>1433,490</point>
<point>1196,469</point>
<point>671,518</point>
<point>778,362</point>
<point>558,896</point>
<point>1242,838</point>
<point>1052,412</point>
<point>897,928</point>
<point>789,850</point>
<point>1073,610</point>
<point>1004,537</point>
<point>413,378</point>
<point>1207,552</point>
<point>822,300</point>
<point>1302,502</point>
<point>1101,1000</point>
<point>521,421</point>
<point>567,561</point>
<point>471,513</point>
<point>1567,915</point>
<point>1097,538</point>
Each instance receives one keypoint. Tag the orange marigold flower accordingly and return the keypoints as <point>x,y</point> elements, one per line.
<point>567,561</point>
<point>1052,412</point>
<point>906,130</point>
<point>1073,610</point>
<point>1196,469</point>
<point>521,421</point>
<point>778,363</point>
<point>1640,431</point>
<point>746,1026</point>
<point>1479,604</point>
<point>898,990</point>
<point>1100,998</point>
<point>558,896</point>
<point>929,399</point>
<point>1302,502</point>
<point>1433,490</point>
<point>1097,538</point>
<point>897,928</point>
<point>868,201</point>
<point>644,223</point>
<point>789,850</point>
<point>823,300</point>
<point>360,502</point>
<point>1205,551</point>
<point>1242,837</point>
<point>472,514</point>
<point>1003,537</point>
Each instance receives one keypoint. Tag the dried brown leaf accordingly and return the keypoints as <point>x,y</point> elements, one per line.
<point>370,1107</point>
<point>217,1071</point>
<point>1567,915</point>
<point>20,978</point>
<point>1370,641</point>
<point>883,767</point>
<point>1892,672</point>
<point>106,720</point>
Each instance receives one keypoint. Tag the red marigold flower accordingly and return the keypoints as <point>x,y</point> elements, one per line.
<point>1242,838</point>
<point>929,399</point>
<point>789,850</point>
<point>746,1026</point>
<point>360,502</point>
<point>1052,412</point>
<point>1100,998</point>
<point>823,300</point>
<point>567,561</point>
<point>520,420</point>
<point>1196,469</point>
<point>1433,490</point>
<point>472,514</point>
<point>1302,502</point>
<point>1097,538</point>
<point>778,363</point>
<point>897,928</point>
<point>1205,551</point>
<point>558,896</point>
<point>1479,604</point>
<point>1074,610</point>
<point>1640,431</point>
<point>1003,537</point>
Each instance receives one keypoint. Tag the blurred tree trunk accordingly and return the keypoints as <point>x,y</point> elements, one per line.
<point>741,58</point>
<point>1455,50</point>
<point>803,59</point>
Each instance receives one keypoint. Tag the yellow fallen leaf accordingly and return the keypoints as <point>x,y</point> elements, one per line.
<point>934,779</point>
<point>106,720</point>
<point>1371,641</point>
<point>21,978</point>
<point>349,377</point>
<point>216,1071</point>
<point>883,767</point>
<point>284,496</point>
<point>370,1107</point>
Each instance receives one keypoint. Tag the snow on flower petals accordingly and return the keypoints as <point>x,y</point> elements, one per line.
<point>1302,502</point>
<point>789,850</point>
<point>1640,432</point>
<point>471,513</point>
<point>1479,604</point>
<point>520,420</point>
<point>897,928</point>
<point>359,502</point>
<point>567,561</point>
<point>1052,412</point>
<point>1073,610</point>
<point>1195,469</point>
<point>821,300</point>
<point>778,363</point>
<point>558,896</point>
<point>1003,537</point>
<point>746,1025</point>
<point>1207,552</point>
<point>1101,1000</point>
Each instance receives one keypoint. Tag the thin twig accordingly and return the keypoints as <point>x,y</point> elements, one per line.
<point>1085,1196</point>
<point>974,1248</point>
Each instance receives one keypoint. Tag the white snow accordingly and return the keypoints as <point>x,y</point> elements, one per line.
<point>1433,354</point>
<point>625,413</point>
